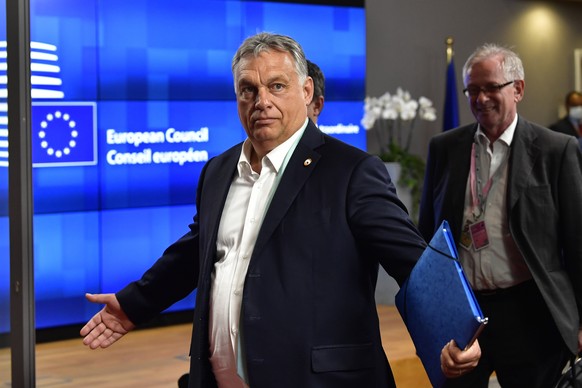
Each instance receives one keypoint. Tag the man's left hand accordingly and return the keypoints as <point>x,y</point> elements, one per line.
<point>456,362</point>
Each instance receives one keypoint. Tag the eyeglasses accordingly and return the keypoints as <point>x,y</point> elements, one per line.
<point>474,91</point>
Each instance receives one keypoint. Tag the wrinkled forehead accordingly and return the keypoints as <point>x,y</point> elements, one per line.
<point>267,63</point>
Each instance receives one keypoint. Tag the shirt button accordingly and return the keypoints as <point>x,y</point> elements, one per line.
<point>234,330</point>
<point>237,292</point>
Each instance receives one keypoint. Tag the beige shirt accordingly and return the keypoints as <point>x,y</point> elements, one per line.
<point>500,264</point>
<point>245,207</point>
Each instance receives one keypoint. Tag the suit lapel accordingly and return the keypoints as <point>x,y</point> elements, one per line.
<point>216,180</point>
<point>524,152</point>
<point>219,178</point>
<point>459,173</point>
<point>298,170</point>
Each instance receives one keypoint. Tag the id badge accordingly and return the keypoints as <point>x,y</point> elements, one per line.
<point>465,239</point>
<point>479,235</point>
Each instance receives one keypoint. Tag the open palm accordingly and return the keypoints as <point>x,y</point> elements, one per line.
<point>108,325</point>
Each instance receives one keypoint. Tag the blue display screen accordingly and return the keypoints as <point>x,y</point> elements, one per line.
<point>130,99</point>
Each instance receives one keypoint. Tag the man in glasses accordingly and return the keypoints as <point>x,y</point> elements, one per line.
<point>512,194</point>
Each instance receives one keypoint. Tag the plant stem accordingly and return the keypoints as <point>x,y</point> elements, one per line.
<point>409,139</point>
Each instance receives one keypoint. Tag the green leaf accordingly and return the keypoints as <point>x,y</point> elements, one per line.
<point>411,175</point>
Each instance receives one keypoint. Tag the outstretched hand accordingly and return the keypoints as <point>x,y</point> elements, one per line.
<point>108,325</point>
<point>456,362</point>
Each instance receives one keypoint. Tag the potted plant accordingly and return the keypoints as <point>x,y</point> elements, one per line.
<point>392,117</point>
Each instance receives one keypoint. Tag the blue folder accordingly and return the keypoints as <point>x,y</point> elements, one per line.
<point>437,304</point>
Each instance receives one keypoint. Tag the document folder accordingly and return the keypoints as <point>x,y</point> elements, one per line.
<point>437,304</point>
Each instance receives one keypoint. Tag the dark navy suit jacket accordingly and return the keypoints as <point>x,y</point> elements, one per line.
<point>309,315</point>
<point>564,125</point>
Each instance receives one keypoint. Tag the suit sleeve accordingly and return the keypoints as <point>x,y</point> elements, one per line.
<point>570,212</point>
<point>426,221</point>
<point>380,222</point>
<point>171,278</point>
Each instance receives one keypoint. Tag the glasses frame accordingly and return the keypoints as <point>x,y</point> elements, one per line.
<point>487,90</point>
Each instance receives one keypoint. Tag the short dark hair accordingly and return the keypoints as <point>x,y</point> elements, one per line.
<point>570,95</point>
<point>318,79</point>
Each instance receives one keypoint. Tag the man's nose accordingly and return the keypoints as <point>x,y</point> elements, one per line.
<point>263,99</point>
<point>482,96</point>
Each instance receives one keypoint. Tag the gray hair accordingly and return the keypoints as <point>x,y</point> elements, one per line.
<point>510,61</point>
<point>265,41</point>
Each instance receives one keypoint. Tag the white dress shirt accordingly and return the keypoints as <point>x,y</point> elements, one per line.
<point>500,264</point>
<point>245,207</point>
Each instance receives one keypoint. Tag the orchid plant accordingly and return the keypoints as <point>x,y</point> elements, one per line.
<point>392,118</point>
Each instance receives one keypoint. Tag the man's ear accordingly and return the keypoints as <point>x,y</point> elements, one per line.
<point>308,90</point>
<point>519,89</point>
<point>318,105</point>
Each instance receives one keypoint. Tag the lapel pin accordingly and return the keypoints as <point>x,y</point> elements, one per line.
<point>307,162</point>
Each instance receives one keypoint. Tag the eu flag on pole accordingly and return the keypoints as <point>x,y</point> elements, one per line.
<point>451,110</point>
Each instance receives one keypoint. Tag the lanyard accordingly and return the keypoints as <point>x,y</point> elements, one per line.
<point>478,194</point>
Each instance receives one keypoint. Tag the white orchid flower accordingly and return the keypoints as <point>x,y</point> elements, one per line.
<point>392,111</point>
<point>368,122</point>
<point>409,110</point>
<point>427,113</point>
<point>424,102</point>
<point>389,113</point>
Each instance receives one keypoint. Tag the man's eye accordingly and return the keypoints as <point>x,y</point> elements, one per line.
<point>246,91</point>
<point>278,87</point>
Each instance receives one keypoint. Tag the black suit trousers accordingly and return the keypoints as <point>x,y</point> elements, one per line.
<point>521,343</point>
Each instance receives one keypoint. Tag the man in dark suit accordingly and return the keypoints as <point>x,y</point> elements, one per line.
<point>284,264</point>
<point>512,193</point>
<point>571,124</point>
<point>315,107</point>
